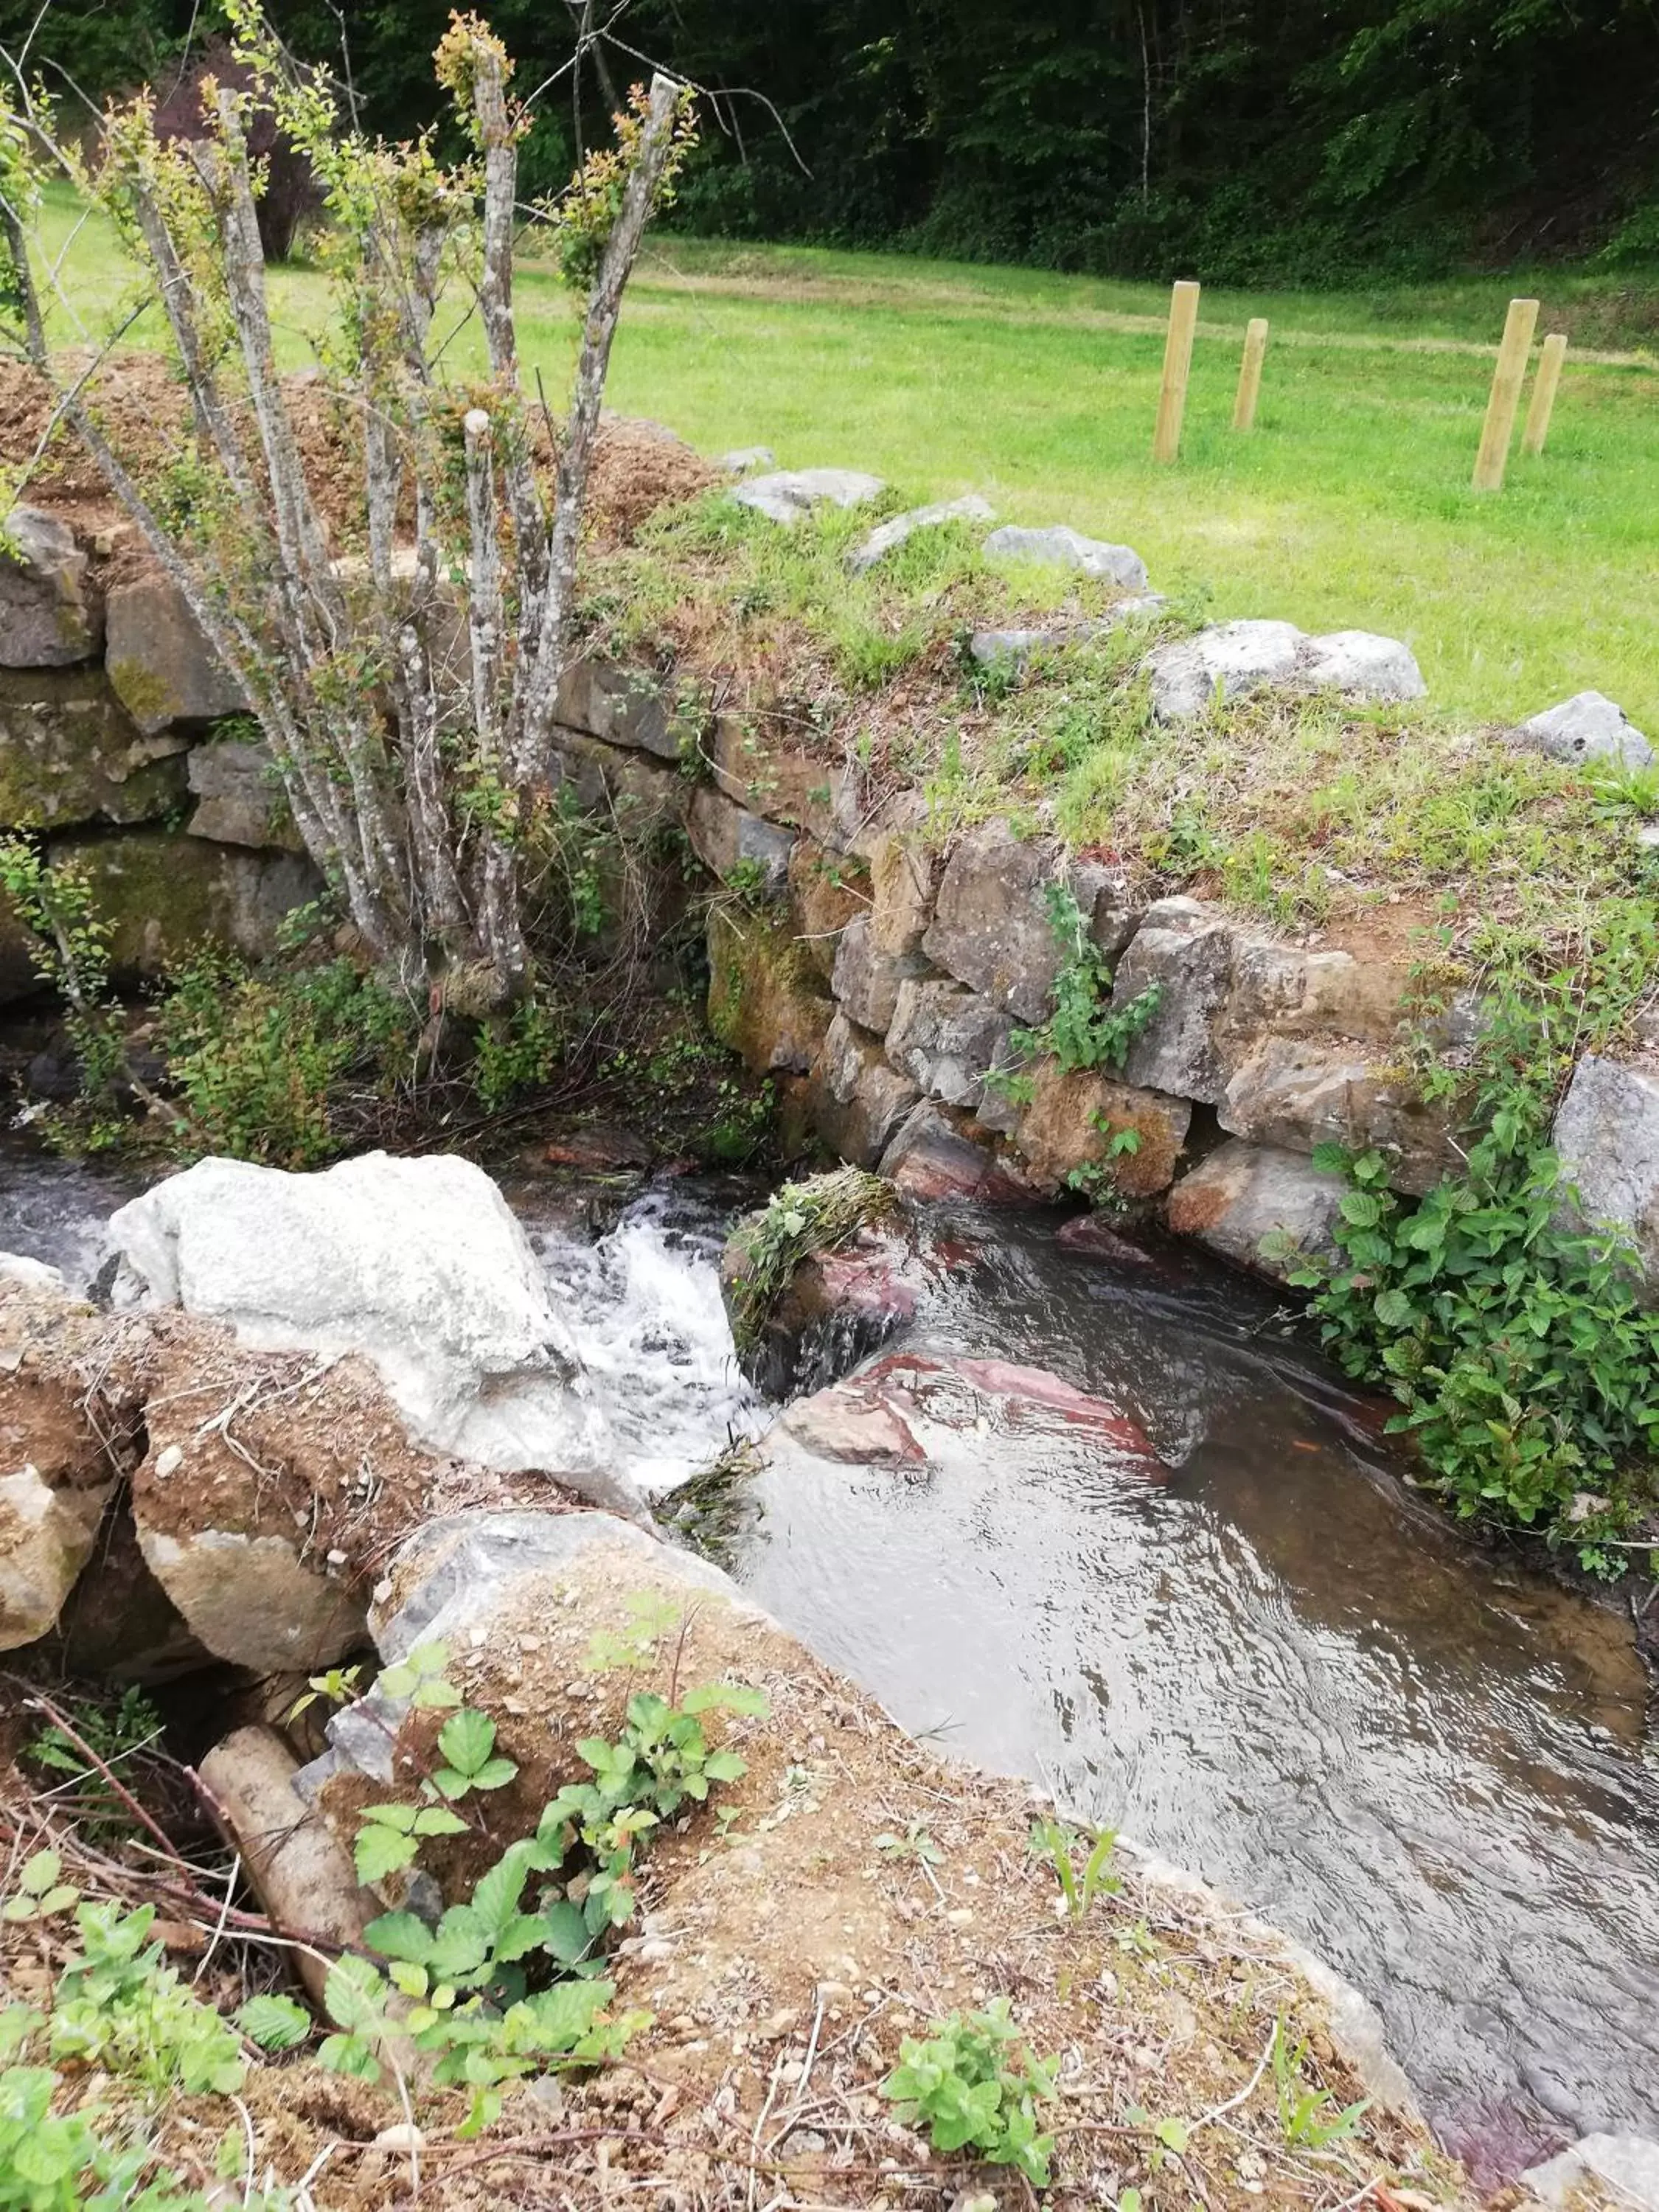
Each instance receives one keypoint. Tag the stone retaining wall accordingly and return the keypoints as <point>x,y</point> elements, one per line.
<point>125,746</point>
<point>879,976</point>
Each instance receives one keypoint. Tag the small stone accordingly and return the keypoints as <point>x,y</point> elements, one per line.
<point>168,1462</point>
<point>785,496</point>
<point>1060,546</point>
<point>744,460</point>
<point>887,536</point>
<point>1588,727</point>
<point>402,2136</point>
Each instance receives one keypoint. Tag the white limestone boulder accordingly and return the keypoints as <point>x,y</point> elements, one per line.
<point>1237,658</point>
<point>1588,727</point>
<point>417,1265</point>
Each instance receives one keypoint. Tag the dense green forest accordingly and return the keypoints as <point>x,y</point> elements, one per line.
<point>1295,140</point>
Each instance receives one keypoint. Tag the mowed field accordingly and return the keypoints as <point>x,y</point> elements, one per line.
<point>1348,506</point>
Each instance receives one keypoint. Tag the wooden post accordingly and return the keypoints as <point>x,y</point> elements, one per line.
<point>1177,360</point>
<point>1249,373</point>
<point>1543,393</point>
<point>1507,380</point>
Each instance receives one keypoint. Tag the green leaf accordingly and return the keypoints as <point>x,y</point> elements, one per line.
<point>467,1740</point>
<point>566,1938</point>
<point>274,2022</point>
<point>724,1766</point>
<point>438,1821</point>
<point>379,1851</point>
<point>353,1994</point>
<point>1395,1309</point>
<point>400,1935</point>
<point>728,1697</point>
<point>1173,2135</point>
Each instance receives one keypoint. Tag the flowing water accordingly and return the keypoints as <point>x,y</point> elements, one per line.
<point>1269,1664</point>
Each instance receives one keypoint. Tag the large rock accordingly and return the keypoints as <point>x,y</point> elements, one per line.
<point>163,896</point>
<point>887,537</point>
<point>253,1600</point>
<point>866,981</point>
<point>1292,992</point>
<point>992,927</point>
<point>725,836</point>
<point>1060,546</point>
<point>766,998</point>
<point>936,1153</point>
<point>239,797</point>
<point>1363,667</point>
<point>1588,727</point>
<point>855,1098</point>
<point>948,1040</point>
<point>69,754</point>
<point>1606,1133</point>
<point>1300,1092</point>
<point>1238,658</point>
<point>638,791</point>
<point>1244,1195</point>
<point>1186,949</point>
<point>827,890</point>
<point>788,494</point>
<point>771,776</point>
<point>162,666</point>
<point>415,1264</point>
<point>625,705</point>
<point>48,617</point>
<point>904,878</point>
<point>1071,1120</point>
<point>1626,2166</point>
<point>66,1439</point>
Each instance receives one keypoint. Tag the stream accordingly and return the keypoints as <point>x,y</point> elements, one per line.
<point>1275,1666</point>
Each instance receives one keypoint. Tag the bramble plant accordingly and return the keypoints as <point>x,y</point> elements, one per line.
<point>462,1990</point>
<point>1526,1367</point>
<point>975,2085</point>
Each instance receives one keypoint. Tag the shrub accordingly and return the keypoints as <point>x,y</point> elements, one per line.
<point>1512,1336</point>
<point>257,1055</point>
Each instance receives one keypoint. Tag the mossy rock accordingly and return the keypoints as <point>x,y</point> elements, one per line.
<point>767,999</point>
<point>165,896</point>
<point>70,754</point>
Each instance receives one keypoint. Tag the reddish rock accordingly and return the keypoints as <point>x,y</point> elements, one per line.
<point>1026,1394</point>
<point>853,1427</point>
<point>1088,1233</point>
<point>937,1155</point>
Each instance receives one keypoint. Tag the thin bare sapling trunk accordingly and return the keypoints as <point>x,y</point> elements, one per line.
<point>402,657</point>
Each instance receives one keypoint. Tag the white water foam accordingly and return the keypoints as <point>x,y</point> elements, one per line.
<point>644,1306</point>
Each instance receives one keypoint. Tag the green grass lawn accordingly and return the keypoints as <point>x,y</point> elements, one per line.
<point>1347,507</point>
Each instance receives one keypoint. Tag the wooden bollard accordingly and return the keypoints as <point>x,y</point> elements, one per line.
<point>1543,393</point>
<point>1507,380</point>
<point>1178,360</point>
<point>1249,373</point>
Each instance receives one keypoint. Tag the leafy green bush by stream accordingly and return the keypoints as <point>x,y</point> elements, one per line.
<point>1525,1365</point>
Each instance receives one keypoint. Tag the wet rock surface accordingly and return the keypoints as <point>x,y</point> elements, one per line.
<point>416,1265</point>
